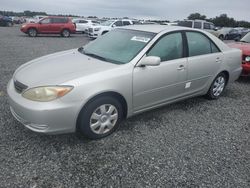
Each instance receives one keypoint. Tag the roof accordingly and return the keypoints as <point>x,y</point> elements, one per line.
<point>156,28</point>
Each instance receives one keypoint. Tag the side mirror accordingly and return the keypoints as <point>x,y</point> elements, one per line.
<point>113,25</point>
<point>237,39</point>
<point>150,61</point>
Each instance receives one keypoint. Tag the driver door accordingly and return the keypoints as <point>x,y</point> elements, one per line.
<point>153,85</point>
<point>44,25</point>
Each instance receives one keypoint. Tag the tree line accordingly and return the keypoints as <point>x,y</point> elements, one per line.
<point>223,20</point>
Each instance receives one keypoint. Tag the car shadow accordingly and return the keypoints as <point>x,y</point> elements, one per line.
<point>244,79</point>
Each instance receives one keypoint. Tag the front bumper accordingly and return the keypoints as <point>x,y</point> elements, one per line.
<point>44,117</point>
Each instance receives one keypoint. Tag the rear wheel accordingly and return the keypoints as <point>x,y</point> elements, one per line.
<point>100,117</point>
<point>217,87</point>
<point>32,32</point>
<point>65,33</point>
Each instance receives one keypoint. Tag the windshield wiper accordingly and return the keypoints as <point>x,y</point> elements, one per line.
<point>95,56</point>
<point>81,50</point>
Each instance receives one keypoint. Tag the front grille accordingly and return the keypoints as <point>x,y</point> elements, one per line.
<point>19,86</point>
<point>90,30</point>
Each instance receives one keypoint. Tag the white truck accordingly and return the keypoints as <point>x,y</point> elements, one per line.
<point>198,24</point>
<point>104,27</point>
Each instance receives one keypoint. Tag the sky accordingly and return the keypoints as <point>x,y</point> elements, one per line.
<point>148,9</point>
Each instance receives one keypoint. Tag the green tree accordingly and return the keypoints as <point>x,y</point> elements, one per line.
<point>196,16</point>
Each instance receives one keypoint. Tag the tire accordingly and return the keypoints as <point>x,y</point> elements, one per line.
<point>221,37</point>
<point>226,37</point>
<point>32,32</point>
<point>217,87</point>
<point>100,117</point>
<point>65,33</point>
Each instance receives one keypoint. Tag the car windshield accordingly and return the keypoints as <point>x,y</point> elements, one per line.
<point>119,46</point>
<point>107,23</point>
<point>246,38</point>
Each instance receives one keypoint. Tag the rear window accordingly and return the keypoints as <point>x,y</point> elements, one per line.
<point>185,23</point>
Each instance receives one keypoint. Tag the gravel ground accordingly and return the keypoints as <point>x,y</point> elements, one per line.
<point>194,143</point>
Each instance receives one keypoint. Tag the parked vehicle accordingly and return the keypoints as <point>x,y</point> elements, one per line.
<point>50,25</point>
<point>244,45</point>
<point>6,21</point>
<point>221,33</point>
<point>198,24</point>
<point>104,27</point>
<point>124,72</point>
<point>236,33</point>
<point>82,25</point>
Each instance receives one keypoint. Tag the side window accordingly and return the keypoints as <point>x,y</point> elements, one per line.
<point>185,23</point>
<point>206,26</point>
<point>126,23</point>
<point>198,44</point>
<point>45,21</point>
<point>168,47</point>
<point>83,21</point>
<point>118,23</point>
<point>59,20</point>
<point>197,25</point>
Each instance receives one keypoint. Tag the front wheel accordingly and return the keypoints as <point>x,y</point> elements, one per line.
<point>221,37</point>
<point>100,117</point>
<point>217,87</point>
<point>32,32</point>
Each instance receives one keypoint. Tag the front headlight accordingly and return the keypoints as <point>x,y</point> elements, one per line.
<point>46,93</point>
<point>247,58</point>
<point>97,29</point>
<point>23,26</point>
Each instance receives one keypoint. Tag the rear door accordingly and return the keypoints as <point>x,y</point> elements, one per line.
<point>57,24</point>
<point>204,61</point>
<point>153,85</point>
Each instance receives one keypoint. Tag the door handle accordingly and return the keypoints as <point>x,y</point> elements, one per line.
<point>217,60</point>
<point>181,67</point>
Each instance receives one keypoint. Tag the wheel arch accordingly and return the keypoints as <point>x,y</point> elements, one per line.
<point>227,75</point>
<point>114,94</point>
<point>32,28</point>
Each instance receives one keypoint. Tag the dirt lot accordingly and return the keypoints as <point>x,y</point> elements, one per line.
<point>194,143</point>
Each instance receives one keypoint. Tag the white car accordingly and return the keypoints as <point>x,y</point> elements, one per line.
<point>104,27</point>
<point>82,25</point>
<point>223,32</point>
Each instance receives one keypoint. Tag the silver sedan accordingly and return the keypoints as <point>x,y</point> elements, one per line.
<point>125,72</point>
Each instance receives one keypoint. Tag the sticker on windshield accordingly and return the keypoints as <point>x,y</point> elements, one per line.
<point>140,39</point>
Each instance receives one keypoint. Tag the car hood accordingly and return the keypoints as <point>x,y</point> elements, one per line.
<point>245,47</point>
<point>59,67</point>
